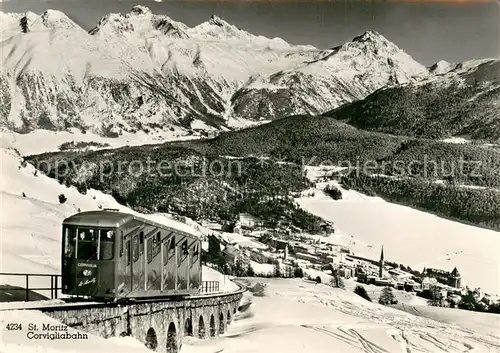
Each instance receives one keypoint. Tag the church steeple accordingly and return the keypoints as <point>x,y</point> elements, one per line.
<point>381,263</point>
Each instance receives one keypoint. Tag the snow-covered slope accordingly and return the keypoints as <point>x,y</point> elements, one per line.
<point>140,71</point>
<point>294,316</point>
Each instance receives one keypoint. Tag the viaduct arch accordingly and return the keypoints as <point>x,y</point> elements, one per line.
<point>160,326</point>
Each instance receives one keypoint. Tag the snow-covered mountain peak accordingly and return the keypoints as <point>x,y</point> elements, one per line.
<point>372,37</point>
<point>372,51</point>
<point>217,28</point>
<point>139,10</point>
<point>112,24</point>
<point>370,42</point>
<point>53,19</point>
<point>441,67</point>
<point>139,21</point>
<point>28,20</point>
<point>18,23</point>
<point>216,21</point>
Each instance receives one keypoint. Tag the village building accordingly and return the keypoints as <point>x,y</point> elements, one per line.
<point>308,257</point>
<point>452,279</point>
<point>279,244</point>
<point>212,226</point>
<point>247,221</point>
<point>231,253</point>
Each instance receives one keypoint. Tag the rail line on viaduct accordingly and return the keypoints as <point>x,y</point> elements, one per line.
<point>159,325</point>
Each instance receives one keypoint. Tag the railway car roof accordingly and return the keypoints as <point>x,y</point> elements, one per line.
<point>112,219</point>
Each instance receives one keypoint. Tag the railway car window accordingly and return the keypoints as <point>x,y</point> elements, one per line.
<point>171,248</point>
<point>149,245</point>
<point>181,253</point>
<point>141,240</point>
<point>184,248</point>
<point>127,252</point>
<point>136,248</point>
<point>156,244</point>
<point>69,242</point>
<point>87,244</point>
<point>120,243</point>
<point>166,245</point>
<point>107,246</point>
<point>195,253</point>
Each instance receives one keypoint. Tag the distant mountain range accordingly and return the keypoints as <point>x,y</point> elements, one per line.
<point>141,70</point>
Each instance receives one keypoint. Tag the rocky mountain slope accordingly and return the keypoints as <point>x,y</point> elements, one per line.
<point>140,71</point>
<point>462,102</point>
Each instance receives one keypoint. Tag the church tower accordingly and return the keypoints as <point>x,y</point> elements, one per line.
<point>381,263</point>
<point>455,279</point>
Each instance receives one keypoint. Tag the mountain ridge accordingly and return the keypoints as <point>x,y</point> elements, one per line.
<point>461,103</point>
<point>142,69</point>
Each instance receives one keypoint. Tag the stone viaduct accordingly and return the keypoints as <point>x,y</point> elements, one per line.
<point>161,326</point>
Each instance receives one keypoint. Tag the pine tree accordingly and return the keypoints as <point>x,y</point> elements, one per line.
<point>277,270</point>
<point>468,302</point>
<point>339,282</point>
<point>250,271</point>
<point>387,297</point>
<point>214,254</point>
<point>239,271</point>
<point>298,272</point>
<point>361,291</point>
<point>435,297</point>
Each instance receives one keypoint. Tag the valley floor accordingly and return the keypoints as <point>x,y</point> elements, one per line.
<point>410,237</point>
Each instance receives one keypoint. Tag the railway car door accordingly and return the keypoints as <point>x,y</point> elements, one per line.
<point>128,265</point>
<point>142,262</point>
<point>153,262</point>
<point>138,261</point>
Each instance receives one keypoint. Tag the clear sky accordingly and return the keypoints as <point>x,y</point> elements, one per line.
<point>430,30</point>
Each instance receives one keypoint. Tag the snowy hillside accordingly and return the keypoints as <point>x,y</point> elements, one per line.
<point>294,316</point>
<point>146,72</point>
<point>32,215</point>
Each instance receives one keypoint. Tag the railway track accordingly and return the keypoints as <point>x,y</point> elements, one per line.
<point>92,304</point>
<point>78,303</point>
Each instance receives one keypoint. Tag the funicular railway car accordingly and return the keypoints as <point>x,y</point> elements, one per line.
<point>108,254</point>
